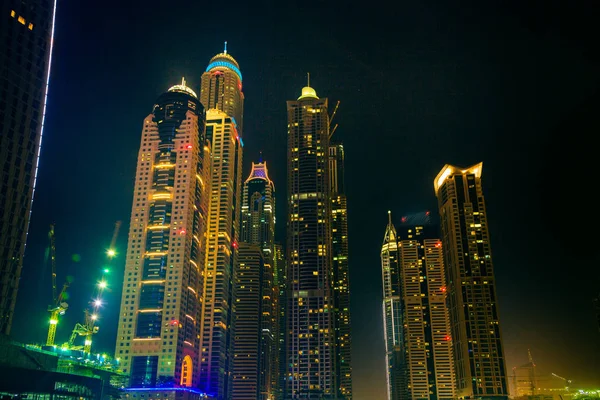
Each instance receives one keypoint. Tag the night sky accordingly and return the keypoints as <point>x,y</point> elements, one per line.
<point>420,85</point>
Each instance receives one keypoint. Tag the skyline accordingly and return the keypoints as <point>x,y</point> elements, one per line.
<point>66,230</point>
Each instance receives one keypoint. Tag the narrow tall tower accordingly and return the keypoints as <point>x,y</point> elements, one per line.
<point>256,313</point>
<point>27,30</point>
<point>341,282</point>
<point>222,87</point>
<point>159,324</point>
<point>392,315</point>
<point>218,327</point>
<point>426,328</point>
<point>471,286</point>
<point>311,339</point>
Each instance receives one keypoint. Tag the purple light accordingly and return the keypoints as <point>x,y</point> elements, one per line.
<point>166,390</point>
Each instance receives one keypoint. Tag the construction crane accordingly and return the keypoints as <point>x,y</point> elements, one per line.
<point>567,381</point>
<point>332,131</point>
<point>89,328</point>
<point>59,306</point>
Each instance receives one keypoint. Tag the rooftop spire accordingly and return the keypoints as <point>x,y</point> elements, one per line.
<point>260,157</point>
<point>389,217</point>
<point>308,79</point>
<point>183,81</point>
<point>225,49</point>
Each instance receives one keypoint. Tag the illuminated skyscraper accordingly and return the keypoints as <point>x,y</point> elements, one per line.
<point>341,284</point>
<point>159,324</point>
<point>426,327</point>
<point>26,34</point>
<point>258,321</point>
<point>310,325</point>
<point>392,315</point>
<point>222,241</point>
<point>222,87</point>
<point>471,286</point>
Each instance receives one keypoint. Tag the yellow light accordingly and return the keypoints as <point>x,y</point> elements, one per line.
<point>88,342</point>
<point>94,317</point>
<point>21,20</point>
<point>53,322</point>
<point>102,285</point>
<point>111,253</point>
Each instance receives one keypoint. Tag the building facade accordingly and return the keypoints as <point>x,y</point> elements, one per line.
<point>159,324</point>
<point>248,361</point>
<point>26,33</point>
<point>396,370</point>
<point>310,321</point>
<point>341,284</point>
<point>258,230</point>
<point>471,287</point>
<point>427,337</point>
<point>218,328</point>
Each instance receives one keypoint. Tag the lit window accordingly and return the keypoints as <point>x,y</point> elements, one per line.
<point>30,26</point>
<point>21,20</point>
<point>12,13</point>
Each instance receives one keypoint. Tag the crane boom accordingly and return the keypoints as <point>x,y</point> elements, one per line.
<point>58,307</point>
<point>53,261</point>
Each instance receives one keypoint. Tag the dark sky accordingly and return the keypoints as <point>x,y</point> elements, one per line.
<point>420,84</point>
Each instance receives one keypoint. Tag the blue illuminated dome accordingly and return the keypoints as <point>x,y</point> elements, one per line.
<point>224,60</point>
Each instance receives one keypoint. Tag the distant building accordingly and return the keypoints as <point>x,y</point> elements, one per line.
<point>471,285</point>
<point>248,363</point>
<point>426,327</point>
<point>257,231</point>
<point>396,368</point>
<point>159,323</point>
<point>341,280</point>
<point>279,268</point>
<point>27,30</point>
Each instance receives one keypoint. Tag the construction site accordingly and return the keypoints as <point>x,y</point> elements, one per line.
<point>69,369</point>
<point>528,384</point>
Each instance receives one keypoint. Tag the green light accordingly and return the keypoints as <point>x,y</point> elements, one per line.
<point>53,322</point>
<point>106,270</point>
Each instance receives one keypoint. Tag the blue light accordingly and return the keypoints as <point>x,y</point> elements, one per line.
<point>241,142</point>
<point>225,64</point>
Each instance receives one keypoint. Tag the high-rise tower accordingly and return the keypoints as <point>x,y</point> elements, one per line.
<point>218,328</point>
<point>341,284</point>
<point>426,327</point>
<point>393,315</point>
<point>222,87</point>
<point>159,324</point>
<point>471,286</point>
<point>259,321</point>
<point>26,34</point>
<point>280,271</point>
<point>310,326</point>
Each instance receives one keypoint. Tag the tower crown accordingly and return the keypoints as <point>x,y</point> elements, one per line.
<point>454,170</point>
<point>259,171</point>
<point>224,60</point>
<point>183,89</point>
<point>307,91</point>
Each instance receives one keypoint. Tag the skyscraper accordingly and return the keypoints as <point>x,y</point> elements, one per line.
<point>159,324</point>
<point>248,362</point>
<point>341,284</point>
<point>258,229</point>
<point>396,371</point>
<point>26,37</point>
<point>310,320</point>
<point>426,327</point>
<point>471,286</point>
<point>218,328</point>
<point>222,97</point>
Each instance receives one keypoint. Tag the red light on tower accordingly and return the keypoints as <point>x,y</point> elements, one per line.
<point>438,244</point>
<point>235,245</point>
<point>448,338</point>
<point>443,289</point>
<point>427,213</point>
<point>404,219</point>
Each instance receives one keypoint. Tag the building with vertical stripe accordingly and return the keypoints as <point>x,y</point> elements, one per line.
<point>26,38</point>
